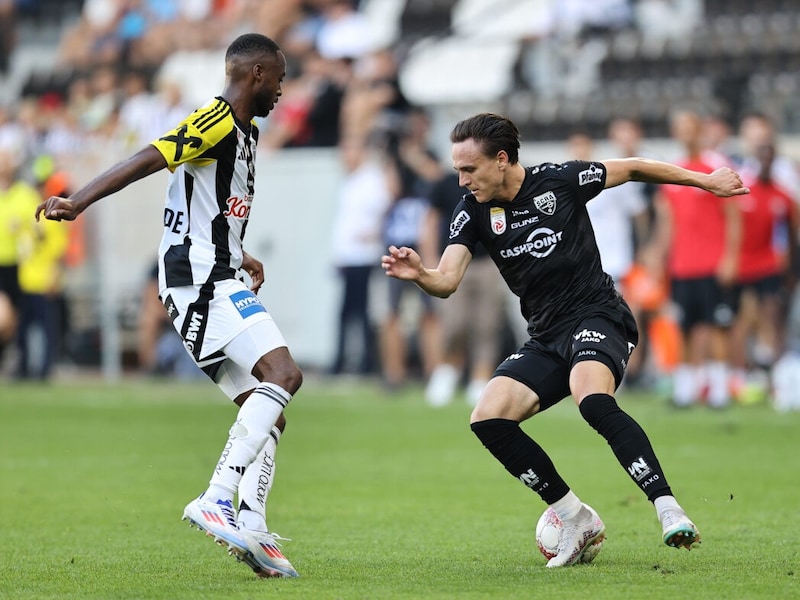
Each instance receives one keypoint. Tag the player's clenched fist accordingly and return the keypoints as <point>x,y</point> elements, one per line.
<point>56,208</point>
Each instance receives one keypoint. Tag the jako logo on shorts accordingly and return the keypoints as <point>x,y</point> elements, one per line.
<point>247,303</point>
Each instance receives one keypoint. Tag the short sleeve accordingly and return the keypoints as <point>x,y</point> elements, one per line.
<point>463,226</point>
<point>195,135</point>
<point>586,178</point>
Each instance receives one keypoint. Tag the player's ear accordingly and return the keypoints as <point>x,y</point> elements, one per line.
<point>502,159</point>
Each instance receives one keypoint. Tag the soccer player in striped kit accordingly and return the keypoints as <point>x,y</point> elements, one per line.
<point>224,325</point>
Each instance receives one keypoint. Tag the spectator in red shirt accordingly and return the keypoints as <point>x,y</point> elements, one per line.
<point>699,234</point>
<point>770,220</point>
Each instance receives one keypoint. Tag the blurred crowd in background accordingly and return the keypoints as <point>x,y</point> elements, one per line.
<point>107,89</point>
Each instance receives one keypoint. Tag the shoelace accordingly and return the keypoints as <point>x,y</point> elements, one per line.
<point>227,511</point>
<point>278,538</point>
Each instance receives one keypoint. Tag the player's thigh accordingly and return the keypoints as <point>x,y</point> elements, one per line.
<point>528,381</point>
<point>605,343</point>
<point>505,398</point>
<point>242,369</point>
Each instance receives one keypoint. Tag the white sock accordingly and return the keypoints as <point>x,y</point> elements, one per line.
<point>684,385</point>
<point>247,436</point>
<point>256,484</point>
<point>568,507</point>
<point>718,395</point>
<point>441,385</point>
<point>664,503</point>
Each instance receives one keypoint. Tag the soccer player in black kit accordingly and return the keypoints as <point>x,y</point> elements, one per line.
<point>534,223</point>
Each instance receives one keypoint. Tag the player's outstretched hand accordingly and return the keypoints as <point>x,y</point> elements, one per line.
<point>56,208</point>
<point>726,182</point>
<point>255,269</point>
<point>402,263</point>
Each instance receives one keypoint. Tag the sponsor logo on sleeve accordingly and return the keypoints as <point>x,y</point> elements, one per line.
<point>590,175</point>
<point>461,219</point>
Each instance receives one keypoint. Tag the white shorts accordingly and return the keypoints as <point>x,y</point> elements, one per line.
<point>225,328</point>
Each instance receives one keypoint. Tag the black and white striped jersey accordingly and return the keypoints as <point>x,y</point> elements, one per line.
<point>211,157</point>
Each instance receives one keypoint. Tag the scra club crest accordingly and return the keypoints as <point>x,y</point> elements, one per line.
<point>546,203</point>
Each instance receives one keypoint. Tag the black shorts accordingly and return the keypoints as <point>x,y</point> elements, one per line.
<point>606,335</point>
<point>9,284</point>
<point>703,301</point>
<point>770,285</point>
<point>399,288</point>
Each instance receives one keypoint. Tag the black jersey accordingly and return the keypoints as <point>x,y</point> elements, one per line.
<point>543,242</point>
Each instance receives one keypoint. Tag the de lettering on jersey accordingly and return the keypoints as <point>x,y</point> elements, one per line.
<point>174,220</point>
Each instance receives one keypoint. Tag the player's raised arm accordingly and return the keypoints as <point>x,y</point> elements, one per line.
<point>145,162</point>
<point>405,263</point>
<point>723,182</point>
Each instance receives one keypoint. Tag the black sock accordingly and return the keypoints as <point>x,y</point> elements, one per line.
<point>628,441</point>
<point>522,457</point>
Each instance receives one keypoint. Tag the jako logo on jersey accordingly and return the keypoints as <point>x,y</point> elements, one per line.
<point>514,356</point>
<point>238,208</point>
<point>458,223</point>
<point>247,303</point>
<point>639,469</point>
<point>589,336</point>
<point>541,242</point>
<point>589,175</point>
<point>497,216</point>
<point>545,202</point>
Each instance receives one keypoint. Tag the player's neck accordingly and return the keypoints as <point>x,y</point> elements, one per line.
<point>515,176</point>
<point>241,109</point>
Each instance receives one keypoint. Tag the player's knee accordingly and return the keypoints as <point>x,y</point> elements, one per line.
<point>290,378</point>
<point>280,371</point>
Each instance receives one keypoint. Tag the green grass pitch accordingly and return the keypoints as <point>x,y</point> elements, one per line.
<point>383,497</point>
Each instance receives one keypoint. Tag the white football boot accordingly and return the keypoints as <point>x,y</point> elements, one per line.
<point>678,530</point>
<point>264,555</point>
<point>218,520</point>
<point>578,534</point>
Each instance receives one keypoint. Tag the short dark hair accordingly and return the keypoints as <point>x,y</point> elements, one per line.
<point>249,44</point>
<point>492,132</point>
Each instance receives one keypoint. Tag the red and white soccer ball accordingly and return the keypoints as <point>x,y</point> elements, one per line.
<point>548,534</point>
